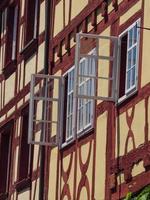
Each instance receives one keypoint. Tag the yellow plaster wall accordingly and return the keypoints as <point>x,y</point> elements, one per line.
<point>39,110</point>
<point>58,24</point>
<point>42,17</point>
<point>10,88</point>
<point>40,62</point>
<point>120,178</point>
<point>99,16</point>
<point>35,190</point>
<point>100,168</point>
<point>24,196</point>
<point>2,118</point>
<point>35,157</point>
<point>84,156</point>
<point>90,168</point>
<point>146,46</point>
<point>26,98</point>
<point>83,194</point>
<point>120,1</point>
<point>30,69</point>
<point>110,7</point>
<point>77,7</point>
<point>20,103</point>
<point>137,169</point>
<point>78,177</point>
<point>121,134</point>
<point>53,175</point>
<point>139,123</point>
<point>10,111</point>
<point>14,196</point>
<point>67,3</point>
<point>89,26</point>
<point>131,12</point>
<point>66,161</point>
<point>63,49</point>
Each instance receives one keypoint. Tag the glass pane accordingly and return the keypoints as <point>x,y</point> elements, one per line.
<point>88,112</point>
<point>130,38</point>
<point>128,79</point>
<point>82,69</point>
<point>93,67</point>
<point>135,35</point>
<point>68,105</point>
<point>70,126</point>
<point>134,55</point>
<point>133,76</point>
<point>129,59</point>
<point>89,66</point>
<point>80,119</point>
<point>88,87</point>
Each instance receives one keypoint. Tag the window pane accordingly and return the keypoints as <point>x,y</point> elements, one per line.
<point>135,34</point>
<point>134,55</point>
<point>70,103</point>
<point>128,79</point>
<point>88,113</point>
<point>129,59</point>
<point>130,38</point>
<point>133,76</point>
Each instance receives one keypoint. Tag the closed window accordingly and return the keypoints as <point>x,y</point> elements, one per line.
<point>8,31</point>
<point>25,148</point>
<point>85,106</point>
<point>129,60</point>
<point>31,21</point>
<point>5,156</point>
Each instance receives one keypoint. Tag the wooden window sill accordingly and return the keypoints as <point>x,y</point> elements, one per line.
<point>9,69</point>
<point>23,184</point>
<point>30,48</point>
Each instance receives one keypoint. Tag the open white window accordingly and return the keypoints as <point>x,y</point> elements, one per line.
<point>45,110</point>
<point>129,61</point>
<point>85,107</point>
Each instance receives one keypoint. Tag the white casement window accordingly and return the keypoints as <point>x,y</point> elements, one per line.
<point>129,60</point>
<point>132,52</point>
<point>86,86</point>
<point>69,115</point>
<point>85,106</point>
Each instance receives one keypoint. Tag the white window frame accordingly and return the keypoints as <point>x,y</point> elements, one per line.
<point>86,127</point>
<point>133,89</point>
<point>70,137</point>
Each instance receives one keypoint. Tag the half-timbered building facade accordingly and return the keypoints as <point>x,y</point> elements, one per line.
<point>102,150</point>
